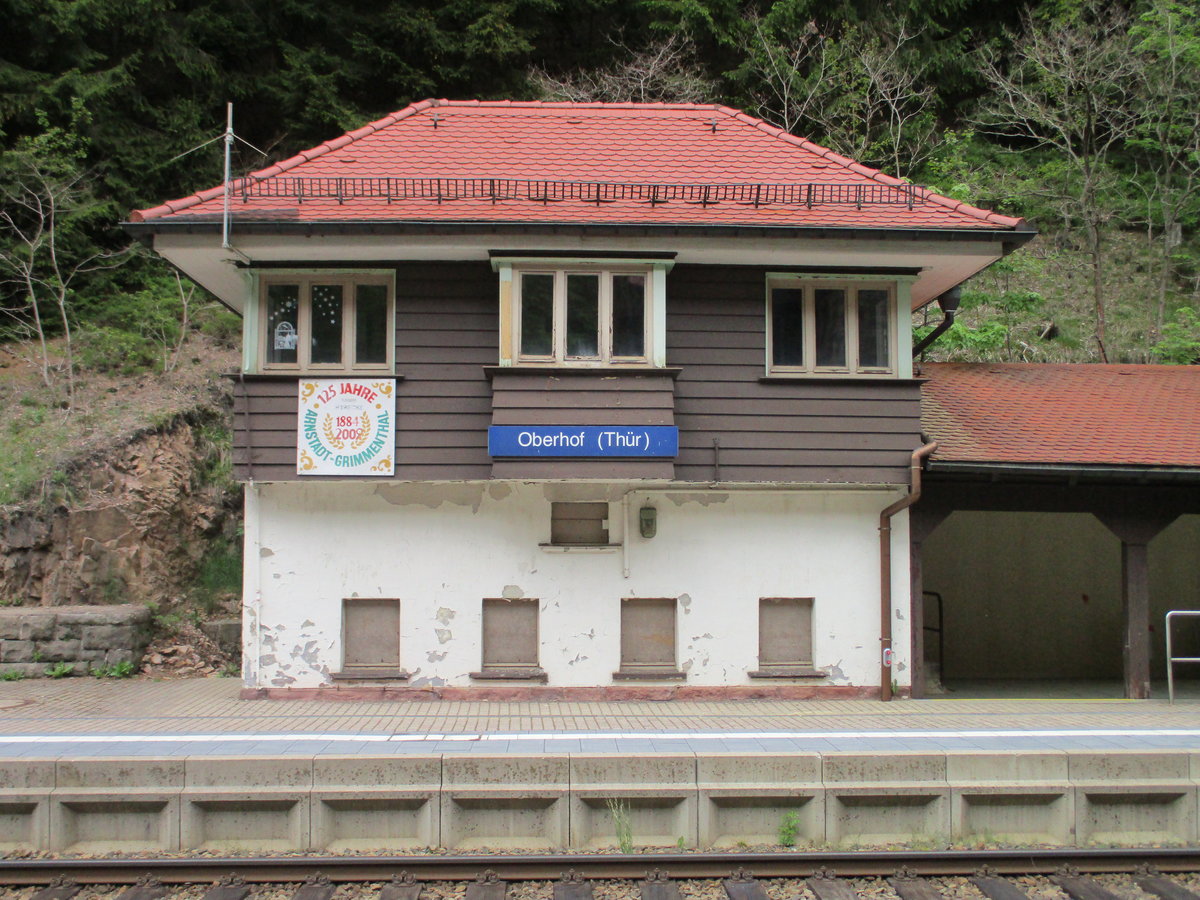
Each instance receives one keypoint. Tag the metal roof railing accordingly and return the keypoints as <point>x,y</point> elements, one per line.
<point>447,190</point>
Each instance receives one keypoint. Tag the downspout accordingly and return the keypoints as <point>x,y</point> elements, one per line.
<point>949,302</point>
<point>885,568</point>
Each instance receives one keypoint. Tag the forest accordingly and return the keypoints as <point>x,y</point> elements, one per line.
<point>1083,116</point>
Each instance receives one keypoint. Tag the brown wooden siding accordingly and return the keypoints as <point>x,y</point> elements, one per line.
<point>447,333</point>
<point>625,398</point>
<point>803,430</point>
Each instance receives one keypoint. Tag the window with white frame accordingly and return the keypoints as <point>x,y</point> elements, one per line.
<point>830,327</point>
<point>335,323</point>
<point>586,316</point>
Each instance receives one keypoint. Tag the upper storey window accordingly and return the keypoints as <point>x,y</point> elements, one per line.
<point>831,327</point>
<point>582,313</point>
<point>335,323</point>
<point>582,317</point>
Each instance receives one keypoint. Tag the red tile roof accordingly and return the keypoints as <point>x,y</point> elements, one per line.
<point>671,148</point>
<point>1124,415</point>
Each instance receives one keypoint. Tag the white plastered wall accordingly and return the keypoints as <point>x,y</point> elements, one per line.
<point>442,548</point>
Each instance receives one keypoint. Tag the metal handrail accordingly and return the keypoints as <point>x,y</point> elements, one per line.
<point>542,190</point>
<point>1171,660</point>
<point>941,635</point>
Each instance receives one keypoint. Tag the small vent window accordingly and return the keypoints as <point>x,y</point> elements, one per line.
<point>510,639</point>
<point>579,524</point>
<point>371,636</point>
<point>785,637</point>
<point>648,638</point>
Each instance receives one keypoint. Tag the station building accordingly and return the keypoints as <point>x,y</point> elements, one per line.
<point>557,399</point>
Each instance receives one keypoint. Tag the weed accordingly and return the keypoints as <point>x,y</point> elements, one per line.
<point>12,601</point>
<point>61,670</point>
<point>113,589</point>
<point>789,827</point>
<point>622,825</point>
<point>681,843</point>
<point>11,675</point>
<point>37,656</point>
<point>122,669</point>
<point>231,670</point>
<point>220,575</point>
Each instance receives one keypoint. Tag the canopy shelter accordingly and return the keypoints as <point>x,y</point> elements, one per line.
<point>1118,442</point>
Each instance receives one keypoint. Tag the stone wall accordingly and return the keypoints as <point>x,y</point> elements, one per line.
<point>89,637</point>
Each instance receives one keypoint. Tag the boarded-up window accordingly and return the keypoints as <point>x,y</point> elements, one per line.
<point>785,632</point>
<point>370,634</point>
<point>579,523</point>
<point>648,635</point>
<point>510,634</point>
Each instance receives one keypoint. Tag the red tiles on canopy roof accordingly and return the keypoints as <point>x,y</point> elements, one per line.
<point>594,143</point>
<point>1063,414</point>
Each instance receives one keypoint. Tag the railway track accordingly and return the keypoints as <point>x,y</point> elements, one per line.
<point>1159,873</point>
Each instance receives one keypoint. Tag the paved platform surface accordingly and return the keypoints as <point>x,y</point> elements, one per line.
<point>200,717</point>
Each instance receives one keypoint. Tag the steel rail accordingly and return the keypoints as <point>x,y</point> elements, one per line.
<point>513,867</point>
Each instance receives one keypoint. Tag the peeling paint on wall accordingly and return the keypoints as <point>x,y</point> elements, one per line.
<point>512,592</point>
<point>434,495</point>
<point>434,656</point>
<point>444,615</point>
<point>264,552</point>
<point>703,498</point>
<point>685,600</point>
<point>443,635</point>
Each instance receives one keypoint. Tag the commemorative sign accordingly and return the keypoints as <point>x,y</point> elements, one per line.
<point>346,427</point>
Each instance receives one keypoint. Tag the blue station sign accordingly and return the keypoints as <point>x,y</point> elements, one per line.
<point>583,440</point>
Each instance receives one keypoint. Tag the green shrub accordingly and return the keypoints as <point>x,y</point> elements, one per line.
<point>61,670</point>
<point>107,349</point>
<point>219,575</point>
<point>1180,341</point>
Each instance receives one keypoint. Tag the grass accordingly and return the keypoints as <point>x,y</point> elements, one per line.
<point>27,443</point>
<point>220,575</point>
<point>622,824</point>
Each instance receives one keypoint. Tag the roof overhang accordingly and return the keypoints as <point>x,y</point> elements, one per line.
<point>1068,473</point>
<point>944,258</point>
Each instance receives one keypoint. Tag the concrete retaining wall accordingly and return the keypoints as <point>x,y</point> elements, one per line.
<point>555,801</point>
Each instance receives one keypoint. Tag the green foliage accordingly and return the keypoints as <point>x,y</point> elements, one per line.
<point>1180,341</point>
<point>219,576</point>
<point>962,339</point>
<point>789,827</point>
<point>622,824</point>
<point>11,675</point>
<point>122,669</point>
<point>61,670</point>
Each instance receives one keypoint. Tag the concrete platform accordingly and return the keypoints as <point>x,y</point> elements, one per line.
<point>97,766</point>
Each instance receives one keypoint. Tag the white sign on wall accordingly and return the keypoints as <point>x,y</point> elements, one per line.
<point>346,427</point>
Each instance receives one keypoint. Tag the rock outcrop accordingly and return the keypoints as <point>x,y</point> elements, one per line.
<point>129,527</point>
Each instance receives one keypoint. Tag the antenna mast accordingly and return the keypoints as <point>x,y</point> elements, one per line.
<point>228,178</point>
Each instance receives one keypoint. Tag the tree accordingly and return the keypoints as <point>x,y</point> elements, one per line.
<point>1069,85</point>
<point>1168,135</point>
<point>45,207</point>
<point>663,71</point>
<point>864,94</point>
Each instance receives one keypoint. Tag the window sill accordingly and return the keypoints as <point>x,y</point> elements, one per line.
<point>649,675</point>
<point>568,370</point>
<point>829,378</point>
<point>788,672</point>
<point>579,548</point>
<point>366,674</point>
<point>297,374</point>
<point>514,673</point>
